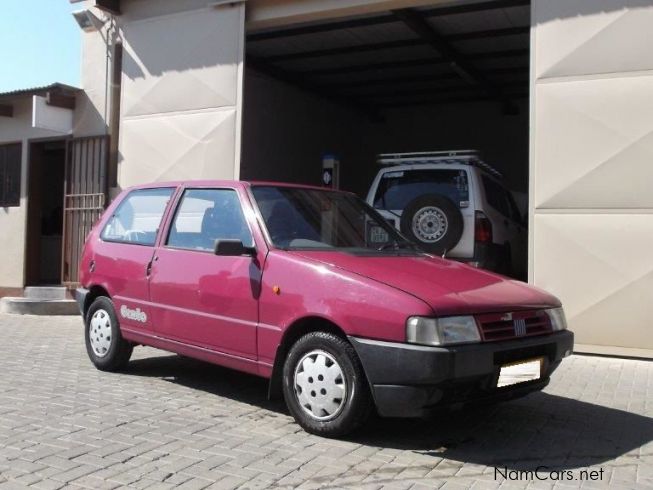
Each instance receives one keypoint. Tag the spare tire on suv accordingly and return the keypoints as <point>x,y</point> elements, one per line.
<point>434,222</point>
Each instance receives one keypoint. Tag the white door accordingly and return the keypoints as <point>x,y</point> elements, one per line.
<point>182,94</point>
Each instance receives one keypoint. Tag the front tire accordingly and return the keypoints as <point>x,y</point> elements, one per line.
<point>106,348</point>
<point>324,385</point>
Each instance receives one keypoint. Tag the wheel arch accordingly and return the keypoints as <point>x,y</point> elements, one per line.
<point>295,330</point>
<point>94,292</point>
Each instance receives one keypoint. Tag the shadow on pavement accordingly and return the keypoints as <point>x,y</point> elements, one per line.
<point>539,430</point>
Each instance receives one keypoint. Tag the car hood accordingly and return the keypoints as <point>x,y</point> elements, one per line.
<point>449,287</point>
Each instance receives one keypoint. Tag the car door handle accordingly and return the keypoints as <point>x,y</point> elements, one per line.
<point>148,269</point>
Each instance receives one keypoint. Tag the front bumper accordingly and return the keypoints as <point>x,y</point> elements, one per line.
<point>411,380</point>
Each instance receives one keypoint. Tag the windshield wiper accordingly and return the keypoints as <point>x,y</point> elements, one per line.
<point>398,245</point>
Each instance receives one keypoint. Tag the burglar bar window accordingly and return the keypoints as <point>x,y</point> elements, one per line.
<point>10,166</point>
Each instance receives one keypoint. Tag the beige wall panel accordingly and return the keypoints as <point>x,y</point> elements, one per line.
<point>183,146</point>
<point>592,178</point>
<point>579,37</point>
<point>12,220</point>
<point>140,9</point>
<point>181,62</point>
<point>600,268</point>
<point>181,95</point>
<point>590,135</point>
<point>92,106</point>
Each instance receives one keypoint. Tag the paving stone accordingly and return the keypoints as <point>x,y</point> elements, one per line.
<point>168,422</point>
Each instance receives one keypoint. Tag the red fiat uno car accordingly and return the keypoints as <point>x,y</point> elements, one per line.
<point>314,290</point>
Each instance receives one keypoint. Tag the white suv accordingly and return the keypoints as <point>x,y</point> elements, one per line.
<point>452,203</point>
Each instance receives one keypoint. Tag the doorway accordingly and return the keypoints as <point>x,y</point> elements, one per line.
<point>45,191</point>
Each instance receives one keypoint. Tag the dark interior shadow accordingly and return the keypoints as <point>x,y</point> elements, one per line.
<point>539,430</point>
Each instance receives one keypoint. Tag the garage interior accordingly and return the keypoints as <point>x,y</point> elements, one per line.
<point>441,77</point>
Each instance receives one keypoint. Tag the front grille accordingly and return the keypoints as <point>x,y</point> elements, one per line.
<point>506,326</point>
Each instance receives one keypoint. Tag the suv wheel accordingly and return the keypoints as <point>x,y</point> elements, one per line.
<point>434,222</point>
<point>324,385</point>
<point>105,346</point>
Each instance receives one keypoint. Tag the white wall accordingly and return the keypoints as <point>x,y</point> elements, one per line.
<point>592,147</point>
<point>17,129</point>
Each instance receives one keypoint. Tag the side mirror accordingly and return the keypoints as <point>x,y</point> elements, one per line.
<point>233,248</point>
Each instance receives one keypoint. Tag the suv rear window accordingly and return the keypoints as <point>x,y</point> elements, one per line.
<point>397,189</point>
<point>138,216</point>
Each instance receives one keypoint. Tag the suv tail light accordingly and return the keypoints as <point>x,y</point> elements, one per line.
<point>482,228</point>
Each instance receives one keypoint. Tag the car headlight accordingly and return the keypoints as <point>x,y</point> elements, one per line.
<point>442,331</point>
<point>558,320</point>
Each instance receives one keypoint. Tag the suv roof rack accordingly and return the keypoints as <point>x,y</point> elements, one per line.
<point>465,157</point>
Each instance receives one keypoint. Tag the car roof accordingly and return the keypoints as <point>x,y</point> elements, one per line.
<point>229,183</point>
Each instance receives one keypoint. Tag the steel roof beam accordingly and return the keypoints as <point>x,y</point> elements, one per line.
<point>418,78</point>
<point>298,80</point>
<point>448,100</point>
<point>384,19</point>
<point>458,62</point>
<point>434,90</point>
<point>401,43</point>
<point>512,53</point>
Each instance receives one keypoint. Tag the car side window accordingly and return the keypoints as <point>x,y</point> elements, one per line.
<point>205,216</point>
<point>137,218</point>
<point>497,196</point>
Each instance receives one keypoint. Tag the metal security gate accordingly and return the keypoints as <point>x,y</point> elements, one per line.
<point>85,198</point>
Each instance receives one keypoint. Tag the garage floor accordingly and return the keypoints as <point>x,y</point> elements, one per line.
<point>168,421</point>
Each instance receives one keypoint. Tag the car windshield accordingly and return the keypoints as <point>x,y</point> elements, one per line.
<point>300,218</point>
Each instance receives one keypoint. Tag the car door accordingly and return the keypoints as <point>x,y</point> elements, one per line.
<point>200,298</point>
<point>123,253</point>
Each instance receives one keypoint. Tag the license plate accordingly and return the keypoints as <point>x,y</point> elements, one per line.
<point>520,372</point>
<point>378,235</point>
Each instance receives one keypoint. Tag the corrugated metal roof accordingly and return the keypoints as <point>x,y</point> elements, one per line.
<point>54,87</point>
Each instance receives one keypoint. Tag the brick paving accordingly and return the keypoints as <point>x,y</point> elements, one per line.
<point>173,422</point>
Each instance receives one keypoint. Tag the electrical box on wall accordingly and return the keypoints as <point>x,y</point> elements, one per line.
<point>330,171</point>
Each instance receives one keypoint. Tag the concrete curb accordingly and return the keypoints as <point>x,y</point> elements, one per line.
<point>32,306</point>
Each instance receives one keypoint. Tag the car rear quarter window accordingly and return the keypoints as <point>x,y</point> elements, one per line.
<point>397,188</point>
<point>137,218</point>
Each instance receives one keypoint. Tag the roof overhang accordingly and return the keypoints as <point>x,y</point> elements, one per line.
<point>52,105</point>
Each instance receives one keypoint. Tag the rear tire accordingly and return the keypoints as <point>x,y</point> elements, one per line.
<point>434,222</point>
<point>324,385</point>
<point>106,348</point>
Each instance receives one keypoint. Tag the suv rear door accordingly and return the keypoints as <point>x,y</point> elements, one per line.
<point>199,298</point>
<point>398,187</point>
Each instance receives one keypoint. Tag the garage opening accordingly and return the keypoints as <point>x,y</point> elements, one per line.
<point>434,79</point>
